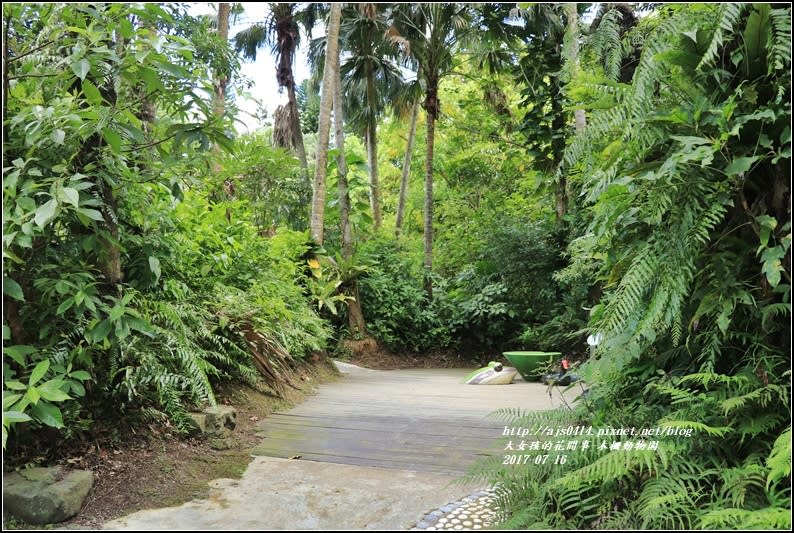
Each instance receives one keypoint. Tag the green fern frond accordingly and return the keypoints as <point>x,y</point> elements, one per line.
<point>779,49</point>
<point>616,465</point>
<point>697,427</point>
<point>727,20</point>
<point>743,483</point>
<point>606,42</point>
<point>762,397</point>
<point>779,461</point>
<point>776,518</point>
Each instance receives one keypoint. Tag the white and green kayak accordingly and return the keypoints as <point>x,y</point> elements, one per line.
<point>493,374</point>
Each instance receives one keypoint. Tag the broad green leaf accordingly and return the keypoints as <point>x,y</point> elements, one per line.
<point>82,375</point>
<point>58,136</point>
<point>122,329</point>
<point>77,388</point>
<point>174,70</point>
<point>125,28</point>
<point>151,78</point>
<point>113,139</point>
<point>52,391</point>
<point>742,164</point>
<point>33,395</point>
<point>10,399</point>
<point>65,305</point>
<point>38,372</point>
<point>12,417</point>
<point>71,195</point>
<point>772,266</point>
<point>154,266</point>
<point>81,68</point>
<point>139,325</point>
<point>19,353</point>
<point>45,213</point>
<point>93,214</point>
<point>6,332</point>
<point>101,331</point>
<point>92,93</point>
<point>15,385</point>
<point>47,414</point>
<point>767,224</point>
<point>12,288</point>
<point>116,313</point>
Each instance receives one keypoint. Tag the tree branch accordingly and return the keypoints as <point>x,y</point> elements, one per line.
<point>31,51</point>
<point>137,147</point>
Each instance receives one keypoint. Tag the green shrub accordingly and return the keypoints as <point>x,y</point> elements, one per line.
<point>395,305</point>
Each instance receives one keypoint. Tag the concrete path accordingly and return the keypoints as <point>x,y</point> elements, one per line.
<point>375,450</point>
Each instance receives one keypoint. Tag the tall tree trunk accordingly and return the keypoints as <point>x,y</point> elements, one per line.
<point>428,229</point>
<point>372,148</point>
<point>558,147</point>
<point>219,102</point>
<point>409,153</point>
<point>110,262</point>
<point>572,38</point>
<point>219,99</point>
<point>355,317</point>
<point>571,57</point>
<point>323,132</point>
<point>297,135</point>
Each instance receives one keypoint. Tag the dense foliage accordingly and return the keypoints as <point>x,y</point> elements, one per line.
<point>685,176</point>
<point>625,173</point>
<point>126,284</point>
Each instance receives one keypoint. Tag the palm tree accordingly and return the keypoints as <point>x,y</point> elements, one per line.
<point>432,31</point>
<point>354,313</point>
<point>323,131</point>
<point>369,75</point>
<point>571,54</point>
<point>406,170</point>
<point>281,32</point>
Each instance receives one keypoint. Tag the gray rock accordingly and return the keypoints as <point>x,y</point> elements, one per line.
<point>218,421</point>
<point>198,423</point>
<point>221,419</point>
<point>422,525</point>
<point>46,495</point>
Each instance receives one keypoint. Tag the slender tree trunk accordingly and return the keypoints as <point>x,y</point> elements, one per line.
<point>561,196</point>
<point>558,124</point>
<point>318,194</point>
<point>572,37</point>
<point>372,148</point>
<point>110,262</point>
<point>355,316</point>
<point>219,102</point>
<point>343,188</point>
<point>297,135</point>
<point>409,152</point>
<point>374,181</point>
<point>428,262</point>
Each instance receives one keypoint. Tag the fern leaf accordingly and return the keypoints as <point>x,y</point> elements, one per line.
<point>779,461</point>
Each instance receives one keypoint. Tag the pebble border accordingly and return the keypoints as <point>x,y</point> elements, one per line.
<point>469,513</point>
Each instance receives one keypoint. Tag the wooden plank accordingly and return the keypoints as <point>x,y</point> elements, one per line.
<point>422,420</point>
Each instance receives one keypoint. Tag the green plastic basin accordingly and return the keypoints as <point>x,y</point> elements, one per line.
<point>530,364</point>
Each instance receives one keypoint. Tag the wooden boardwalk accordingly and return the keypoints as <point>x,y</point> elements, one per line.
<point>421,420</point>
